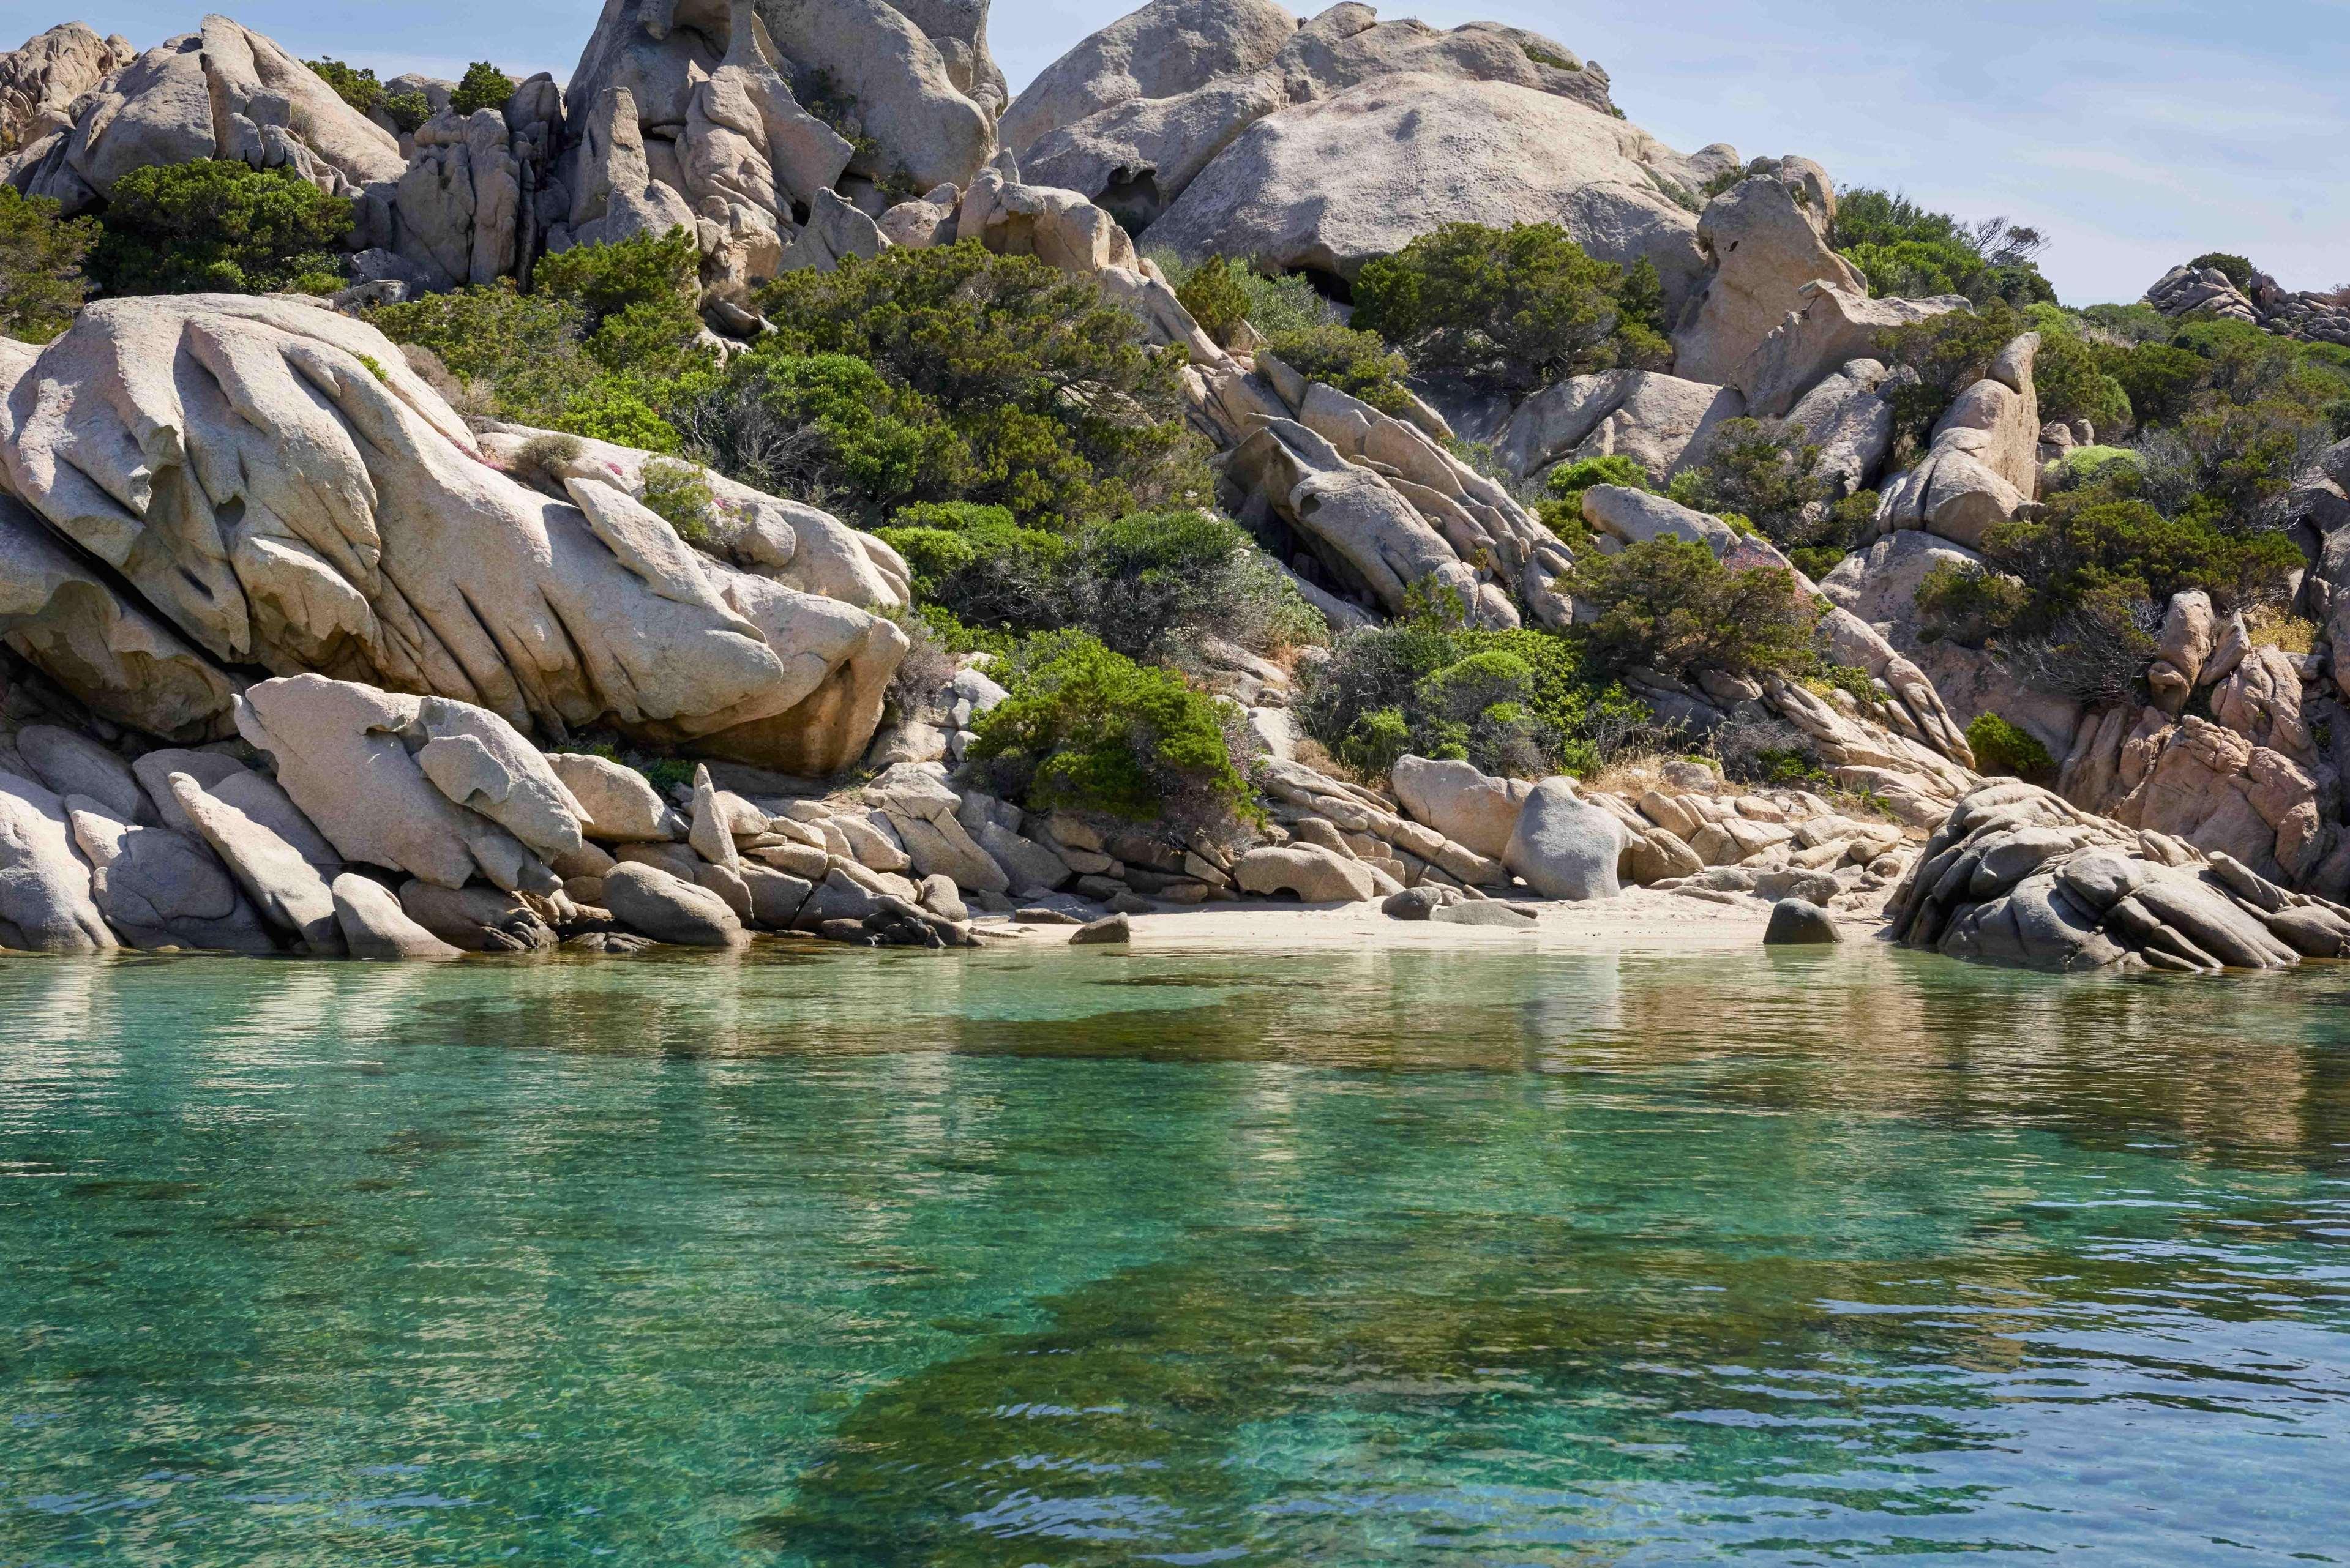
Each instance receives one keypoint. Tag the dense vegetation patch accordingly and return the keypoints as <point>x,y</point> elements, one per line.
<point>1908,253</point>
<point>954,374</point>
<point>1669,605</point>
<point>605,344</point>
<point>1088,729</point>
<point>1512,309</point>
<point>1146,584</point>
<point>1766,475</point>
<point>1518,703</point>
<point>220,226</point>
<point>41,282</point>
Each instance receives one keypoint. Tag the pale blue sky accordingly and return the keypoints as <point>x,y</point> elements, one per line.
<point>2137,132</point>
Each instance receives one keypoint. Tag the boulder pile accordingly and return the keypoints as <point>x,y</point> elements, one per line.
<point>2309,315</point>
<point>2021,877</point>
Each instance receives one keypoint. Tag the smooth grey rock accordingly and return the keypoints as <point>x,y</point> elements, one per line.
<point>45,887</point>
<point>1308,873</point>
<point>1798,922</point>
<point>655,904</point>
<point>1116,931</point>
<point>1421,903</point>
<point>293,898</point>
<point>1564,847</point>
<point>158,888</point>
<point>1485,913</point>
<point>374,925</point>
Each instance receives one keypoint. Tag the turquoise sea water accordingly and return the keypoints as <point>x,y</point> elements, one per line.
<point>1483,1257</point>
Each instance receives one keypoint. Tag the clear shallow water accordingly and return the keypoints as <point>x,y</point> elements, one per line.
<point>1488,1257</point>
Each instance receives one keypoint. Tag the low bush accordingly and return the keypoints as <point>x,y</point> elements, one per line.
<point>1668,605</point>
<point>606,344</point>
<point>408,112</point>
<point>1358,363</point>
<point>1568,481</point>
<point>221,226</point>
<point>681,495</point>
<point>354,86</point>
<point>1967,605</point>
<point>41,253</point>
<point>1146,585</point>
<point>1512,309</point>
<point>1213,295</point>
<point>2071,379</point>
<point>1519,703</point>
<point>2001,747</point>
<point>1085,729</point>
<point>1031,390</point>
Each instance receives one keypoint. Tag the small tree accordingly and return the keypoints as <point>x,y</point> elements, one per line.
<point>483,87</point>
<point>218,225</point>
<point>41,283</point>
<point>2237,269</point>
<point>1215,299</point>
<point>354,86</point>
<point>1669,605</point>
<point>1513,310</point>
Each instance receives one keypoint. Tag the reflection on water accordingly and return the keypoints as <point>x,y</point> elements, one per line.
<point>1100,1257</point>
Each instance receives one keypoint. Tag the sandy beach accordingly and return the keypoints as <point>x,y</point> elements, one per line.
<point>1641,921</point>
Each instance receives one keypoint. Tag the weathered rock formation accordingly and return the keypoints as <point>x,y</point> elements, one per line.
<point>1767,239</point>
<point>2309,315</point>
<point>221,92</point>
<point>2020,877</point>
<point>1346,137</point>
<point>40,82</point>
<point>274,483</point>
<point>1375,505</point>
<point>1983,464</point>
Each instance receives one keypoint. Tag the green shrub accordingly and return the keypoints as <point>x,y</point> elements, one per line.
<point>1284,304</point>
<point>1766,473</point>
<point>1965,604</point>
<point>41,282</point>
<point>1215,299</point>
<point>2002,748</point>
<point>1149,584</point>
<point>1520,703</point>
<point>216,227</point>
<point>606,280</point>
<point>681,494</point>
<point>1513,310</point>
<point>484,85</point>
<point>1907,251</point>
<point>2097,540</point>
<point>982,566</point>
<point>408,112</point>
<point>1048,391</point>
<point>2237,269</point>
<point>1568,481</point>
<point>1669,605</point>
<point>606,345</point>
<point>1951,353</point>
<point>1358,363</point>
<point>2159,379</point>
<point>354,86</point>
<point>2071,379</point>
<point>1085,729</point>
